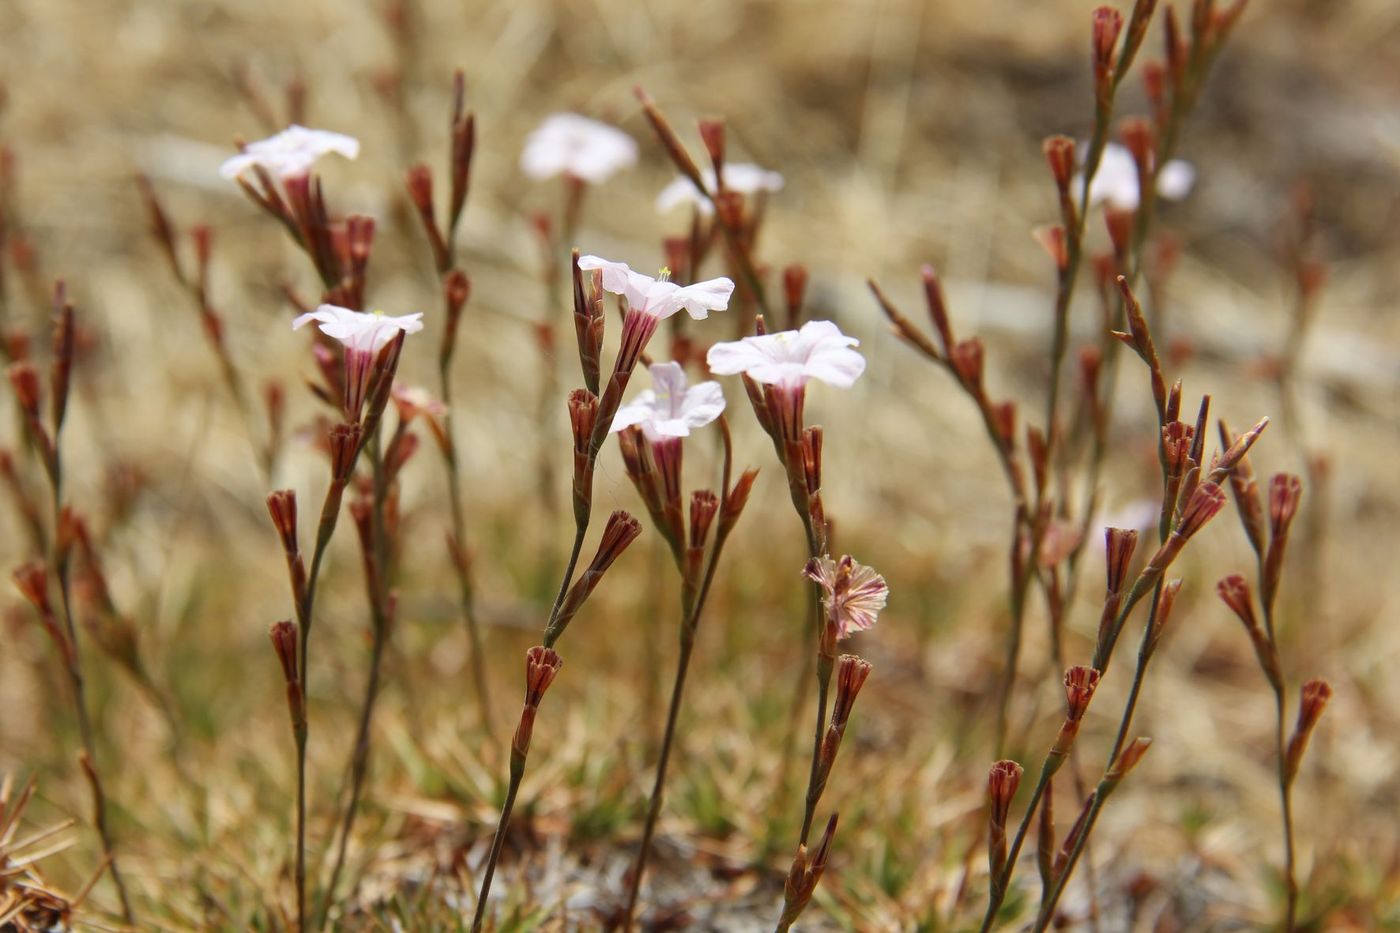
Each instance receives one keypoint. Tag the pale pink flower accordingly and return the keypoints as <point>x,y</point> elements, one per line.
<point>363,336</point>
<point>290,153</point>
<point>569,144</point>
<point>358,330</point>
<point>660,298</point>
<point>1116,181</point>
<point>742,177</point>
<point>671,409</point>
<point>789,358</point>
<point>853,593</point>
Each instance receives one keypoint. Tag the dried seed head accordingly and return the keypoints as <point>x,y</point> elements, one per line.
<point>1080,683</point>
<point>1119,544</point>
<point>1002,781</point>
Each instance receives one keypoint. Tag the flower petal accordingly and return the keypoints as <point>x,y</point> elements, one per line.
<point>703,297</point>
<point>703,403</point>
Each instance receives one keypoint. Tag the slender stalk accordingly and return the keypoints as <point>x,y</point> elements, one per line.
<point>693,606</point>
<point>466,592</point>
<point>380,622</point>
<point>75,680</point>
<point>516,773</point>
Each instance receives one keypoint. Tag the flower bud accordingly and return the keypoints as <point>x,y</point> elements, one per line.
<point>704,505</point>
<point>1080,683</point>
<point>282,506</point>
<point>1119,544</point>
<point>1053,240</point>
<point>1313,700</point>
<point>1059,154</point>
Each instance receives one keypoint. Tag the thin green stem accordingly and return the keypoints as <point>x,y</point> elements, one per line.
<point>496,843</point>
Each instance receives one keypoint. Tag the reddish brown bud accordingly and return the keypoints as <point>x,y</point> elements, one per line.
<point>419,180</point>
<point>804,874</point>
<point>794,291</point>
<point>344,447</point>
<point>1059,154</point>
<point>1285,490</point>
<point>812,458</point>
<point>967,359</point>
<point>1139,139</point>
<point>1234,592</point>
<point>712,135</point>
<point>1002,781</point>
<point>282,506</point>
<point>704,505</point>
<point>1120,223</point>
<point>1053,240</point>
<point>1119,544</point>
<point>541,667</point>
<point>1205,503</point>
<point>1170,590</point>
<point>583,416</point>
<point>622,529</point>
<point>1004,419</point>
<point>851,673</point>
<point>1177,438</point>
<point>737,499</point>
<point>1312,701</point>
<point>32,580</point>
<point>1128,759</point>
<point>1107,24</point>
<point>1080,683</point>
<point>284,642</point>
<point>24,378</point>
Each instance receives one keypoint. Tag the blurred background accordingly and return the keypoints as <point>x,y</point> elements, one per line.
<point>907,132</point>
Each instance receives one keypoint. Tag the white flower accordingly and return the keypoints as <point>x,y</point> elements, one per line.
<point>359,331</point>
<point>789,358</point>
<point>1116,181</point>
<point>743,177</point>
<point>291,152</point>
<point>671,409</point>
<point>660,298</point>
<point>853,593</point>
<point>574,145</point>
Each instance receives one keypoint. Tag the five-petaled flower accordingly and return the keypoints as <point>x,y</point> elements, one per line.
<point>650,300</point>
<point>852,593</point>
<point>1116,181</point>
<point>660,298</point>
<point>671,409</point>
<point>363,335</point>
<point>290,153</point>
<point>740,177</point>
<point>360,331</point>
<point>789,358</point>
<point>569,144</point>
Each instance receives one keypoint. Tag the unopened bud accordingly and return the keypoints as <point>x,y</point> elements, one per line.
<point>1080,683</point>
<point>704,505</point>
<point>1311,703</point>
<point>1059,154</point>
<point>1128,759</point>
<point>282,506</point>
<point>1119,544</point>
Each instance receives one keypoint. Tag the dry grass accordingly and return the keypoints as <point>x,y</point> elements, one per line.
<point>908,132</point>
